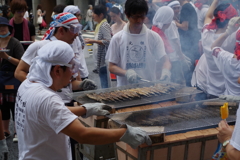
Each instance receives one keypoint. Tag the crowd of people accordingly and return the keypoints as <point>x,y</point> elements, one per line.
<point>192,44</point>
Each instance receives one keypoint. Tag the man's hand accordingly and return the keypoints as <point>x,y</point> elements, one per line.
<point>166,75</point>
<point>233,25</point>
<point>134,136</point>
<point>225,131</point>
<point>98,109</point>
<point>88,40</point>
<point>132,76</point>
<point>88,84</point>
<point>230,98</point>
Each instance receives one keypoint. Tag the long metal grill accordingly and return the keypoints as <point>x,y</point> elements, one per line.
<point>179,118</point>
<point>180,91</point>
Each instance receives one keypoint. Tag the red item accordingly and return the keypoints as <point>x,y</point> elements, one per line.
<point>167,45</point>
<point>113,76</point>
<point>199,3</point>
<point>26,33</point>
<point>228,13</point>
<point>237,49</point>
<point>44,24</point>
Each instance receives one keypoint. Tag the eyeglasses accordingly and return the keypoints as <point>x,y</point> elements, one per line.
<point>138,16</point>
<point>20,11</point>
<point>73,66</point>
<point>74,28</point>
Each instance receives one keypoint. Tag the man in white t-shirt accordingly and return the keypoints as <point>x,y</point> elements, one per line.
<point>137,52</point>
<point>43,122</point>
<point>58,31</point>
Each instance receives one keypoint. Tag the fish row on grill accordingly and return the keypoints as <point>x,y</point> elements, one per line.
<point>128,94</point>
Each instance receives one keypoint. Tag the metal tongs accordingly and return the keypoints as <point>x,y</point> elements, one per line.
<point>144,80</point>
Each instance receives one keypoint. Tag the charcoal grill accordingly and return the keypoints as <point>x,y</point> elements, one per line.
<point>179,118</point>
<point>185,91</point>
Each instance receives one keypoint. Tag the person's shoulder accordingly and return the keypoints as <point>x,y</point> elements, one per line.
<point>15,40</point>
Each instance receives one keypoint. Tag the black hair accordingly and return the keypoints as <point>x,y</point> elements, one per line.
<point>115,10</point>
<point>133,7</point>
<point>59,8</point>
<point>221,7</point>
<point>56,29</point>
<point>63,67</point>
<point>151,14</point>
<point>100,9</point>
<point>5,10</point>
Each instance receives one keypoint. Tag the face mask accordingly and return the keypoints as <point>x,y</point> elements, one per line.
<point>4,36</point>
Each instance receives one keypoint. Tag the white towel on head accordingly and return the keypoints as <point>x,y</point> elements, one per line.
<point>72,9</point>
<point>164,15</point>
<point>174,4</point>
<point>54,53</point>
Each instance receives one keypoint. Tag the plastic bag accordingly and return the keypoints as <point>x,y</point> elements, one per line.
<point>44,24</point>
<point>220,153</point>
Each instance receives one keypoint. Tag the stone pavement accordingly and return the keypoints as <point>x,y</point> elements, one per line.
<point>13,147</point>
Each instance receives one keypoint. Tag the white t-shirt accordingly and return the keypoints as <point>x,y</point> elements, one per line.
<point>40,116</point>
<point>215,79</point>
<point>201,16</point>
<point>172,35</point>
<point>139,52</point>
<point>235,140</point>
<point>77,48</point>
<point>26,15</point>
<point>230,68</point>
<point>199,77</point>
<point>32,52</point>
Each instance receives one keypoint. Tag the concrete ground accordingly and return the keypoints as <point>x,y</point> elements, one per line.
<point>13,147</point>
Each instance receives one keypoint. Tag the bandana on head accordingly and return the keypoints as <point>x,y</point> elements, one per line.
<point>228,13</point>
<point>72,9</point>
<point>58,21</point>
<point>174,4</point>
<point>237,49</point>
<point>199,3</point>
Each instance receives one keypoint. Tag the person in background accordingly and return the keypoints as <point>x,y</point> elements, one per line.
<point>108,5</point>
<point>201,9</point>
<point>161,22</point>
<point>26,15</point>
<point>89,19</point>
<point>137,52</point>
<point>40,13</point>
<point>5,11</point>
<point>115,15</point>
<point>101,42</point>
<point>228,63</point>
<point>23,30</point>
<point>149,17</point>
<point>213,28</point>
<point>58,9</point>
<point>189,35</point>
<point>45,122</point>
<point>8,62</point>
<point>77,44</point>
<point>116,4</point>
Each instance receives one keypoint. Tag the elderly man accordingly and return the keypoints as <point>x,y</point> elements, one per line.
<point>44,123</point>
<point>137,52</point>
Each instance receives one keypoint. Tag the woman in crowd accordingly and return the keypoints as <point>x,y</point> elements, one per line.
<point>23,30</point>
<point>101,42</point>
<point>213,28</point>
<point>161,22</point>
<point>115,15</point>
<point>40,15</point>
<point>9,61</point>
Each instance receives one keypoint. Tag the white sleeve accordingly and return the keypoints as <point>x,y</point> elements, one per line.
<point>30,53</point>
<point>113,52</point>
<point>221,57</point>
<point>171,32</point>
<point>235,140</point>
<point>159,49</point>
<point>230,43</point>
<point>55,113</point>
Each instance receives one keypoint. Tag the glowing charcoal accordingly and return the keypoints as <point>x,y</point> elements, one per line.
<point>224,111</point>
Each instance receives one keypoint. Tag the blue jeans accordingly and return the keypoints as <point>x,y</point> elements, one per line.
<point>90,25</point>
<point>103,77</point>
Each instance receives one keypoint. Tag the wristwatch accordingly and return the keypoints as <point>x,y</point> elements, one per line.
<point>9,58</point>
<point>225,143</point>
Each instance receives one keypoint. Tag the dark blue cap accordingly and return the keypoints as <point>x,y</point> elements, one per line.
<point>5,21</point>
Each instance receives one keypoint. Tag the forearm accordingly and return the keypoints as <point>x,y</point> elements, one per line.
<point>166,63</point>
<point>220,40</point>
<point>21,71</point>
<point>98,42</point>
<point>12,60</point>
<point>99,136</point>
<point>210,11</point>
<point>183,25</point>
<point>232,153</point>
<point>76,85</point>
<point>78,111</point>
<point>116,70</point>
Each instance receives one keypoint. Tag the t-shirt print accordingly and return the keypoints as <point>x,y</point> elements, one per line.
<point>136,55</point>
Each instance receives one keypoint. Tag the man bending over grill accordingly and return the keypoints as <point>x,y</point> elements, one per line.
<point>136,52</point>
<point>43,122</point>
